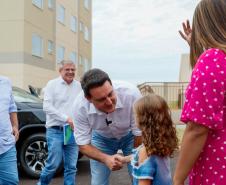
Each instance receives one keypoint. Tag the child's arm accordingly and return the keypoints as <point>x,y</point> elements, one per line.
<point>142,157</point>
<point>123,159</point>
<point>128,158</point>
<point>145,182</point>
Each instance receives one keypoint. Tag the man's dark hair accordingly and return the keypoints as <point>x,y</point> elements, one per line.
<point>93,78</point>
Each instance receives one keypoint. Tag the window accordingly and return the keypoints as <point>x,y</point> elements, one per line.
<point>80,60</point>
<point>86,64</point>
<point>37,45</point>
<point>38,3</point>
<point>86,4</point>
<point>50,4</point>
<point>73,57</point>
<point>73,23</point>
<point>61,14</point>
<point>50,47</point>
<point>86,33</point>
<point>81,26</point>
<point>60,53</point>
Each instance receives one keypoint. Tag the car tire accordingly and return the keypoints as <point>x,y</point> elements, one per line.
<point>33,155</point>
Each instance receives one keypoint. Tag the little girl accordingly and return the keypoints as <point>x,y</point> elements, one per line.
<point>150,161</point>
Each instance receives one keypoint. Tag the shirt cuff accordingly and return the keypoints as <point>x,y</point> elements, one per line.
<point>82,141</point>
<point>64,117</point>
<point>12,110</point>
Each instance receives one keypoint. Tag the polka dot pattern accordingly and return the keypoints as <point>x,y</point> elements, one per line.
<point>205,104</point>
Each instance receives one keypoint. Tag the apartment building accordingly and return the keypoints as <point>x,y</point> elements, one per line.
<point>36,34</point>
<point>185,68</point>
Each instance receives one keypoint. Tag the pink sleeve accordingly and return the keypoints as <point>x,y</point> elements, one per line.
<point>205,93</point>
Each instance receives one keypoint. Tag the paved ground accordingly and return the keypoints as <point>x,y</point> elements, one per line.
<point>83,178</point>
<point>117,178</point>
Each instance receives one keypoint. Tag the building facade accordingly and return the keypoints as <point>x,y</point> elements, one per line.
<point>185,68</point>
<point>36,34</point>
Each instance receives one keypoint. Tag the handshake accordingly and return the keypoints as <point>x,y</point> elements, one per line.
<point>116,162</point>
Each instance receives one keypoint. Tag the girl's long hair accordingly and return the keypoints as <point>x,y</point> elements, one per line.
<point>153,117</point>
<point>208,28</point>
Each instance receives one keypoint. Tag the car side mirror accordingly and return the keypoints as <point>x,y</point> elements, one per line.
<point>33,91</point>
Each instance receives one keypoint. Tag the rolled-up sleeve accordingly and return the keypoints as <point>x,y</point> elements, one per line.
<point>135,130</point>
<point>12,106</point>
<point>82,131</point>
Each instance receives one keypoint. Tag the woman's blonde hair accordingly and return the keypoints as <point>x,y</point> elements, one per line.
<point>153,117</point>
<point>208,28</point>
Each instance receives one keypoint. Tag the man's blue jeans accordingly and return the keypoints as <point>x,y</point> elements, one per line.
<point>99,171</point>
<point>56,151</point>
<point>8,167</point>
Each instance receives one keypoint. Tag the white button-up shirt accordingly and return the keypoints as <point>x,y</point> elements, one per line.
<point>7,106</point>
<point>87,118</point>
<point>58,98</point>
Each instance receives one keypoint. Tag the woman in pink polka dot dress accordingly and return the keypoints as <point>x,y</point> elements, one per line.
<point>203,150</point>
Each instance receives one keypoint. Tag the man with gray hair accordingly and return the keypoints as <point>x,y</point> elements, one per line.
<point>58,95</point>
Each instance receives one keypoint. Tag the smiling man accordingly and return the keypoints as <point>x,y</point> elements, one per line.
<point>104,123</point>
<point>58,95</point>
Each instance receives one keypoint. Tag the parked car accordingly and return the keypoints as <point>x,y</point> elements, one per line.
<point>32,149</point>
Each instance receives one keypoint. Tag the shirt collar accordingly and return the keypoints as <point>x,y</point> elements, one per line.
<point>63,82</point>
<point>94,110</point>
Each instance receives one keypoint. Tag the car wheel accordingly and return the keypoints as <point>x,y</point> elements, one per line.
<point>33,154</point>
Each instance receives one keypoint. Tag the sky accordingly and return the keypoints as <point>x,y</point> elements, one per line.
<point>138,40</point>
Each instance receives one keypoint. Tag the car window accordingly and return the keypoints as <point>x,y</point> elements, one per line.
<point>21,95</point>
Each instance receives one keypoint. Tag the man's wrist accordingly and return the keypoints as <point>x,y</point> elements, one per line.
<point>15,127</point>
<point>104,158</point>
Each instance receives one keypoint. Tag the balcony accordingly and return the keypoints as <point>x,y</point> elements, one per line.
<point>172,92</point>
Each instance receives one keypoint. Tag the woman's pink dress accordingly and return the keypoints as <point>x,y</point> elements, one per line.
<point>206,105</point>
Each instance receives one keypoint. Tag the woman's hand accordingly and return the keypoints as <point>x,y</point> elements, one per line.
<point>186,34</point>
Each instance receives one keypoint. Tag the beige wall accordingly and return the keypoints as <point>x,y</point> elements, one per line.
<point>41,22</point>
<point>37,80</point>
<point>64,35</point>
<point>19,20</point>
<point>185,69</point>
<point>12,10</point>
<point>23,75</point>
<point>11,23</point>
<point>85,47</point>
<point>14,73</point>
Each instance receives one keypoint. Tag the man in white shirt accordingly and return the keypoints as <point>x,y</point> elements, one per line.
<point>105,123</point>
<point>58,95</point>
<point>9,134</point>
